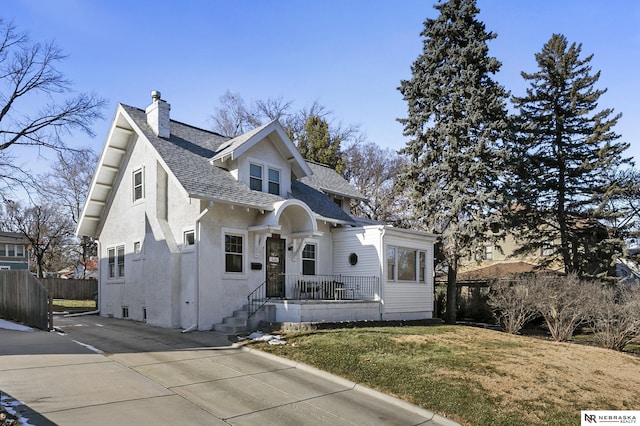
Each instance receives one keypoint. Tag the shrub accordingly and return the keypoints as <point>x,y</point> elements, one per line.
<point>564,302</point>
<point>512,304</point>
<point>615,319</point>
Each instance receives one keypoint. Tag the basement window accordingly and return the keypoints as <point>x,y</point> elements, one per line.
<point>189,238</point>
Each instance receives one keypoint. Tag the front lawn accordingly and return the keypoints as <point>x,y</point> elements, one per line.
<point>473,375</point>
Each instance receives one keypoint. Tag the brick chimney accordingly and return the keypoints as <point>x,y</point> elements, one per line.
<point>158,116</point>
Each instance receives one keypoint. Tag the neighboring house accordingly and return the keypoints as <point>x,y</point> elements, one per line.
<point>192,226</point>
<point>82,270</point>
<point>14,251</point>
<point>500,260</point>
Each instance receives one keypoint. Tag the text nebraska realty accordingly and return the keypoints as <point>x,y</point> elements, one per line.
<point>610,418</point>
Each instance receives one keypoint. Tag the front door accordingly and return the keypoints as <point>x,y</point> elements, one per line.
<point>275,267</point>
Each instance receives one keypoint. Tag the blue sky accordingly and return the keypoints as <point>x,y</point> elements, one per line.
<point>348,55</point>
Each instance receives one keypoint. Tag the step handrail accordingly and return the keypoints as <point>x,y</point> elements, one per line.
<point>257,299</point>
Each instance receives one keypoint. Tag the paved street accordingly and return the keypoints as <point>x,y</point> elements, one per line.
<point>105,371</point>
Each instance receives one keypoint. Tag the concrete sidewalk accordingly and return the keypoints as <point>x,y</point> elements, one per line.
<point>105,371</point>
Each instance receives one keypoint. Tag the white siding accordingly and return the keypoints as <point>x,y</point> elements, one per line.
<point>365,243</point>
<point>408,300</point>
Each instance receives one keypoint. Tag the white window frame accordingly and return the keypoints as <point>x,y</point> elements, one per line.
<point>117,274</point>
<point>420,269</point>
<point>245,250</point>
<point>278,182</point>
<point>21,251</point>
<point>134,186</point>
<point>251,177</point>
<point>5,268</point>
<point>265,181</point>
<point>137,250</point>
<point>186,246</point>
<point>547,249</point>
<point>488,252</point>
<point>308,259</point>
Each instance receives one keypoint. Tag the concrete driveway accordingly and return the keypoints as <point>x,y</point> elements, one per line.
<point>105,371</point>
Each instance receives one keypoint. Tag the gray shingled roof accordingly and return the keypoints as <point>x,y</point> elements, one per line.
<point>187,153</point>
<point>329,181</point>
<point>232,144</point>
<point>318,202</point>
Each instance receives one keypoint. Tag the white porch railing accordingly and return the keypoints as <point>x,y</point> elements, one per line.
<point>331,287</point>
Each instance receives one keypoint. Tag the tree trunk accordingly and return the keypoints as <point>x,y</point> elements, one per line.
<point>452,290</point>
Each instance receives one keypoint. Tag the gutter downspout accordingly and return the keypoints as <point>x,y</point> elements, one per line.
<point>382,277</point>
<point>197,249</point>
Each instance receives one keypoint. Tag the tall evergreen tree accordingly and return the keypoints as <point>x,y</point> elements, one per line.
<point>317,144</point>
<point>566,152</point>
<point>457,119</point>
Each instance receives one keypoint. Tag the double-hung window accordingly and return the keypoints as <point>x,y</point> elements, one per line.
<point>138,185</point>
<point>255,177</point>
<point>233,253</point>
<point>274,181</point>
<point>115,257</point>
<point>259,181</point>
<point>309,259</point>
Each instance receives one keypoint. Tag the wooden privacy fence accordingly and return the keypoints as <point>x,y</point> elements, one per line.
<point>71,289</point>
<point>24,299</point>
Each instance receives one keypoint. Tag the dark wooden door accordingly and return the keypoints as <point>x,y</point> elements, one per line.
<point>276,250</point>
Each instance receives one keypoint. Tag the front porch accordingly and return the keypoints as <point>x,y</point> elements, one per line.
<point>328,287</point>
<point>319,298</point>
<point>326,310</point>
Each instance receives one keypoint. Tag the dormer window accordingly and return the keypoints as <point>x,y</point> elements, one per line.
<point>264,182</point>
<point>255,177</point>
<point>274,182</point>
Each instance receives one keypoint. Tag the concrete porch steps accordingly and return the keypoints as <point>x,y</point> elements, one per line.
<point>240,323</point>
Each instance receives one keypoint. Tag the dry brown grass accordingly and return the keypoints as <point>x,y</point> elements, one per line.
<point>526,371</point>
<point>473,375</point>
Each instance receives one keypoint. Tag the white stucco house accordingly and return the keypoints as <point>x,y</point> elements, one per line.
<point>195,229</point>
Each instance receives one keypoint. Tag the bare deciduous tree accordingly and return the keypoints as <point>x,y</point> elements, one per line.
<point>46,228</point>
<point>373,170</point>
<point>29,76</point>
<point>234,117</point>
<point>68,183</point>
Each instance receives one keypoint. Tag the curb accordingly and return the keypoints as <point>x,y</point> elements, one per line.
<point>429,415</point>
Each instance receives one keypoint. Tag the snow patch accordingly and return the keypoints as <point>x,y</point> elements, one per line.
<point>258,336</point>
<point>8,325</point>
<point>10,413</point>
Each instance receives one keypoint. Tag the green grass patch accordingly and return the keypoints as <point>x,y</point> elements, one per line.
<point>65,305</point>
